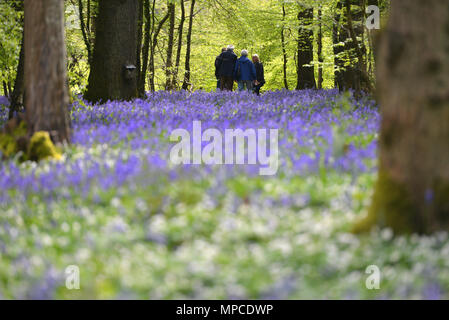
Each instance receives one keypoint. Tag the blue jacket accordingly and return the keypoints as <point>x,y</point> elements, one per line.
<point>247,70</point>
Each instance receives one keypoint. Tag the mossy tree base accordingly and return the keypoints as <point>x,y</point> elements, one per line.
<point>389,205</point>
<point>393,206</point>
<point>14,140</point>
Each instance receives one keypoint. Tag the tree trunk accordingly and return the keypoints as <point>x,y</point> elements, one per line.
<point>146,48</point>
<point>153,48</point>
<point>5,89</point>
<point>305,72</point>
<point>84,29</point>
<point>171,35</point>
<point>337,48</point>
<point>179,48</point>
<point>113,74</point>
<point>186,82</point>
<point>284,51</point>
<point>412,192</point>
<point>352,72</point>
<point>320,49</point>
<point>45,69</point>
<point>19,84</point>
<point>139,48</point>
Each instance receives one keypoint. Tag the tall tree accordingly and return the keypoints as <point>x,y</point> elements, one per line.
<point>19,84</point>
<point>320,48</point>
<point>153,46</point>
<point>305,71</point>
<point>412,192</point>
<point>338,49</point>
<point>351,60</point>
<point>284,50</point>
<point>140,24</point>
<point>114,73</point>
<point>186,82</point>
<point>85,28</point>
<point>45,69</point>
<point>171,36</point>
<point>146,47</point>
<point>179,47</point>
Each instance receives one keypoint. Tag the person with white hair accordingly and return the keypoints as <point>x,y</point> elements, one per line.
<point>216,68</point>
<point>260,74</point>
<point>225,64</point>
<point>244,72</point>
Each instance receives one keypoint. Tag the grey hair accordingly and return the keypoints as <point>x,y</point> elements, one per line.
<point>230,47</point>
<point>244,53</point>
<point>256,56</point>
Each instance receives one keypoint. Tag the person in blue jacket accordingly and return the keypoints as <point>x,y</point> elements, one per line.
<point>244,72</point>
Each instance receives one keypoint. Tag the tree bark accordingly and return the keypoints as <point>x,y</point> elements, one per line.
<point>284,51</point>
<point>5,89</point>
<point>179,47</point>
<point>352,73</point>
<point>320,49</point>
<point>305,72</point>
<point>139,47</point>
<point>171,35</point>
<point>19,84</point>
<point>45,69</point>
<point>153,48</point>
<point>337,48</point>
<point>360,79</point>
<point>84,29</point>
<point>145,49</point>
<point>412,192</point>
<point>186,83</point>
<point>113,73</point>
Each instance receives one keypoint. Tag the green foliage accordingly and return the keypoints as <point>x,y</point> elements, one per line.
<point>10,39</point>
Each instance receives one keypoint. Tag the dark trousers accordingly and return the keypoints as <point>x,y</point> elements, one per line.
<point>226,83</point>
<point>256,89</point>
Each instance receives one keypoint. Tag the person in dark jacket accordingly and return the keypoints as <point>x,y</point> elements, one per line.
<point>225,68</point>
<point>216,68</point>
<point>260,75</point>
<point>245,72</point>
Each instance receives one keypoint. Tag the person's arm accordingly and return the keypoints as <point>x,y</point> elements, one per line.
<point>253,72</point>
<point>218,62</point>
<point>234,74</point>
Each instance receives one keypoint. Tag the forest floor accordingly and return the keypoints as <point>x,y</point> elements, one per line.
<point>138,226</point>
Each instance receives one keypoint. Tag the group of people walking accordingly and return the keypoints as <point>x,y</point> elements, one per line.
<point>248,74</point>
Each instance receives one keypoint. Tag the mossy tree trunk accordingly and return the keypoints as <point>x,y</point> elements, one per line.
<point>115,52</point>
<point>45,69</point>
<point>412,192</point>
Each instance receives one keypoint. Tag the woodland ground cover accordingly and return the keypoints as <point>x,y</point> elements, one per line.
<point>139,227</point>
